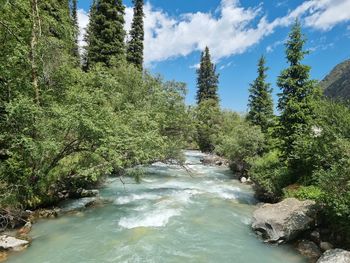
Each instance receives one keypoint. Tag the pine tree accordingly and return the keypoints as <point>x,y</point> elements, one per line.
<point>207,80</point>
<point>296,102</point>
<point>135,45</point>
<point>105,34</point>
<point>74,14</point>
<point>260,99</point>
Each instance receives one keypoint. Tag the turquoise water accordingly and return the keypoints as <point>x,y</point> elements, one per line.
<point>171,216</point>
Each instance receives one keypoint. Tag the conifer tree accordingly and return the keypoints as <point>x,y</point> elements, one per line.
<point>260,99</point>
<point>105,33</point>
<point>207,79</point>
<point>296,102</point>
<point>135,45</point>
<point>74,14</point>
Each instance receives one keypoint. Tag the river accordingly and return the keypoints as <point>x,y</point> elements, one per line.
<point>172,216</point>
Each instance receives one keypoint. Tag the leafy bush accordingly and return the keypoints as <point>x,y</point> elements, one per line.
<point>270,176</point>
<point>304,192</point>
<point>240,143</point>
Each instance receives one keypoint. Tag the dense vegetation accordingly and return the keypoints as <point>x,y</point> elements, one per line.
<point>68,118</point>
<point>63,128</point>
<point>303,152</point>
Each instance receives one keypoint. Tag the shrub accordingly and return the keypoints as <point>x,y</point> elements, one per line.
<point>240,144</point>
<point>269,175</point>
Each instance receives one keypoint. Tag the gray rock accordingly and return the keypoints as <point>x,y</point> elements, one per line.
<point>326,246</point>
<point>214,160</point>
<point>315,236</point>
<point>284,221</point>
<point>11,243</point>
<point>87,193</point>
<point>309,249</point>
<point>335,256</point>
<point>243,180</point>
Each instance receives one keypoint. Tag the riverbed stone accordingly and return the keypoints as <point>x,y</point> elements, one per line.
<point>326,246</point>
<point>284,221</point>
<point>335,256</point>
<point>309,249</point>
<point>213,159</point>
<point>12,243</point>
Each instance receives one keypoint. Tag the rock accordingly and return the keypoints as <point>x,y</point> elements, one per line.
<point>309,249</point>
<point>25,229</point>
<point>326,246</point>
<point>11,243</point>
<point>214,160</point>
<point>44,213</point>
<point>87,193</point>
<point>335,256</point>
<point>315,236</point>
<point>243,180</point>
<point>284,221</point>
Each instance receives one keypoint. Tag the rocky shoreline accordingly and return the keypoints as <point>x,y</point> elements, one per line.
<point>295,222</point>
<point>16,237</point>
<point>290,221</point>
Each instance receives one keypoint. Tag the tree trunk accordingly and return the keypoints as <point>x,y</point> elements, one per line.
<point>36,32</point>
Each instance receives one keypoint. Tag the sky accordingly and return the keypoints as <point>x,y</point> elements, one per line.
<point>237,33</point>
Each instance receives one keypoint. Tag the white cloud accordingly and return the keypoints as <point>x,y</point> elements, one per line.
<point>232,30</point>
<point>83,21</point>
<point>325,14</point>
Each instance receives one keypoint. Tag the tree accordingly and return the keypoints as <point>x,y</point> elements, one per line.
<point>207,79</point>
<point>74,14</point>
<point>260,99</point>
<point>105,33</point>
<point>297,100</point>
<point>135,45</point>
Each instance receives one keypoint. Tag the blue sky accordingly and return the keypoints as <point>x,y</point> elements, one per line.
<point>238,33</point>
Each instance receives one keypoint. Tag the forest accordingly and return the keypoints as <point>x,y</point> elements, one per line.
<point>71,117</point>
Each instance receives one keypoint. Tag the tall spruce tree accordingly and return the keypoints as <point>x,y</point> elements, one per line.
<point>135,45</point>
<point>260,99</point>
<point>74,14</point>
<point>207,79</point>
<point>297,100</point>
<point>105,33</point>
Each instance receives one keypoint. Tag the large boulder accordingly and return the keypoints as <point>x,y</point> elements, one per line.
<point>335,256</point>
<point>12,243</point>
<point>284,221</point>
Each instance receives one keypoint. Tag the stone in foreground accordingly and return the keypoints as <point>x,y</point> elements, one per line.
<point>335,256</point>
<point>309,249</point>
<point>11,243</point>
<point>284,221</point>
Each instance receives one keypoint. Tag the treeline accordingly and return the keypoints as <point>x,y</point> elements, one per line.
<point>302,152</point>
<point>69,118</point>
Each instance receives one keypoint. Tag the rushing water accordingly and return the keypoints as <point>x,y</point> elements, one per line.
<point>171,216</point>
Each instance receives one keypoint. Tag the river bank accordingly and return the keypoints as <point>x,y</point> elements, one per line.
<point>172,216</point>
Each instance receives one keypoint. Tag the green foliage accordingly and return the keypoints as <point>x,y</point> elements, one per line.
<point>105,33</point>
<point>207,123</point>
<point>305,193</point>
<point>241,142</point>
<point>270,175</point>
<point>135,44</point>
<point>260,100</point>
<point>297,100</point>
<point>207,79</point>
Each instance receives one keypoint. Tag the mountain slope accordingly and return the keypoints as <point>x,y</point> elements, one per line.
<point>337,83</point>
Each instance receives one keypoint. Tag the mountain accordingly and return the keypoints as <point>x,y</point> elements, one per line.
<point>337,83</point>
